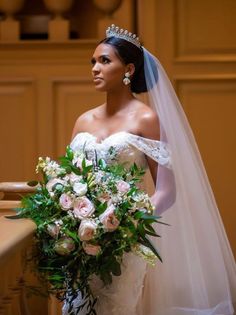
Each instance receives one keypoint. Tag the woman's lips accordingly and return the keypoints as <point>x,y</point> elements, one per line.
<point>97,79</point>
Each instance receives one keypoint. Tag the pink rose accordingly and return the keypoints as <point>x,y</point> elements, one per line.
<point>66,201</point>
<point>52,182</point>
<point>64,246</point>
<point>53,230</point>
<point>83,208</point>
<point>122,186</point>
<point>108,219</point>
<point>91,249</point>
<point>87,229</point>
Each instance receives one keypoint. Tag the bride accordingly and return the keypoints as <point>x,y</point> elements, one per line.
<point>198,275</point>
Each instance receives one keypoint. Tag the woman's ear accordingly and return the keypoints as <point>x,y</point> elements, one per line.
<point>130,68</point>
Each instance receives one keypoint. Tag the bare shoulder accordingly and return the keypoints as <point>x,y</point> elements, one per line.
<point>148,122</point>
<point>84,120</point>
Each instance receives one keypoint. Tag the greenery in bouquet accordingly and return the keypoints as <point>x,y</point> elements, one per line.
<point>88,214</point>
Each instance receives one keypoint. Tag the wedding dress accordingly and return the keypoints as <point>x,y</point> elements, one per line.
<point>123,295</point>
<point>187,283</point>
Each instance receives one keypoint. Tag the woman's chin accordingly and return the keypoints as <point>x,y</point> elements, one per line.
<point>100,88</point>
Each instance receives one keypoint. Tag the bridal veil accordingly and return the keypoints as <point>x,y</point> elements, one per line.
<point>198,274</point>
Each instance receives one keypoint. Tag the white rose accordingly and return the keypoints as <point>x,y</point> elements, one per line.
<point>73,178</point>
<point>87,229</point>
<point>80,188</point>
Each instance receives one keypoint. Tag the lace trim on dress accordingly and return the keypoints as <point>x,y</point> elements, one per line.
<point>157,150</point>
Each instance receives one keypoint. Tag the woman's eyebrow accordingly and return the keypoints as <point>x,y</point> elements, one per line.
<point>101,56</point>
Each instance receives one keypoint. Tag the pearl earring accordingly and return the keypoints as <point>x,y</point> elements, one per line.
<point>126,79</point>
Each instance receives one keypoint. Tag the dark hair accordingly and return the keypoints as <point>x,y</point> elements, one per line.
<point>129,53</point>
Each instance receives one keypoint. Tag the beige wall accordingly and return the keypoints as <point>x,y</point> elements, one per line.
<point>195,40</point>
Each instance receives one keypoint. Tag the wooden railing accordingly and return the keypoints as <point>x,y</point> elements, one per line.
<point>16,238</point>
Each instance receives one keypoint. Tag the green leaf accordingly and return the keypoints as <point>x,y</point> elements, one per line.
<point>138,215</point>
<point>101,208</point>
<point>69,153</point>
<point>13,217</point>
<point>131,191</point>
<point>102,164</point>
<point>73,235</point>
<point>152,233</point>
<point>146,216</point>
<point>141,229</point>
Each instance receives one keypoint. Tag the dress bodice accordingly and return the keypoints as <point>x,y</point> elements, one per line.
<point>122,147</point>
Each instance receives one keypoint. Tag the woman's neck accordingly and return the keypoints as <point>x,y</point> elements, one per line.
<point>117,100</point>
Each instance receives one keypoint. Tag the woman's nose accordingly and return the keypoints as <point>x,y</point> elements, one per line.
<point>95,68</point>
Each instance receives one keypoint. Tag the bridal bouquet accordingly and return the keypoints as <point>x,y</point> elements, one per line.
<point>88,214</point>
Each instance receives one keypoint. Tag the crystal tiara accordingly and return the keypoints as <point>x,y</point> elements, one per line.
<point>124,34</point>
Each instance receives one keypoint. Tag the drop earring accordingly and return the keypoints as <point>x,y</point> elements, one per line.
<point>126,79</point>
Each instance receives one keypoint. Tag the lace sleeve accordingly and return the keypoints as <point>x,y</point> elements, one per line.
<point>156,150</point>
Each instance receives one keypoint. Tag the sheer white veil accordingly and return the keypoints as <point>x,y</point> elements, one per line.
<point>198,274</point>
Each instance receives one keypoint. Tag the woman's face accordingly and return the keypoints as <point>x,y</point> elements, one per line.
<point>107,69</point>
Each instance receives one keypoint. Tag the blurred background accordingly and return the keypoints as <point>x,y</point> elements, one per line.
<point>45,77</point>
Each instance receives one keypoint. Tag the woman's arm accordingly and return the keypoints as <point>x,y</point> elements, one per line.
<point>165,193</point>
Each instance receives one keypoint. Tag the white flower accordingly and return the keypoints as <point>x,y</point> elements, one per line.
<point>87,229</point>
<point>73,178</point>
<point>53,169</point>
<point>80,188</point>
<point>99,176</point>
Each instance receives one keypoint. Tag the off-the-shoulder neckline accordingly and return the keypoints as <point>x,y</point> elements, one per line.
<point>110,136</point>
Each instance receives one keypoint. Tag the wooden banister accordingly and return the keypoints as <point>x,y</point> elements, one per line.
<point>16,238</point>
<point>11,193</point>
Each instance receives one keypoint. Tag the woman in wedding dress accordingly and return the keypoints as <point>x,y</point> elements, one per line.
<point>197,276</point>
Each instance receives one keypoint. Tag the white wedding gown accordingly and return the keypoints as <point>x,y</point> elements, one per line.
<point>141,289</point>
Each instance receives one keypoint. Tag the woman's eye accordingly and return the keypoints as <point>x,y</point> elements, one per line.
<point>105,60</point>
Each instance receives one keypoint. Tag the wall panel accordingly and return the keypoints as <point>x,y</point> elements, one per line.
<point>205,29</point>
<point>210,107</point>
<point>18,129</point>
<point>72,97</point>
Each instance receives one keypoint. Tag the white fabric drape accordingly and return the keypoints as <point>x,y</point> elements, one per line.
<point>198,274</point>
